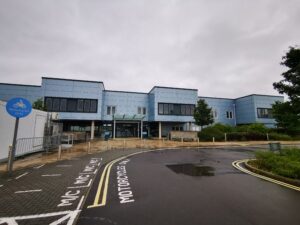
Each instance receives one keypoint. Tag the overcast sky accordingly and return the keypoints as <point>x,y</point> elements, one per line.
<point>223,48</point>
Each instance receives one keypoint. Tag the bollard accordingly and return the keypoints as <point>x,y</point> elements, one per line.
<point>213,139</point>
<point>59,152</point>
<point>225,137</point>
<point>10,159</point>
<point>89,147</point>
<point>267,136</point>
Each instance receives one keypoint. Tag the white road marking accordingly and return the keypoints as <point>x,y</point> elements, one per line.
<point>51,175</point>
<point>1,185</point>
<point>67,215</point>
<point>37,167</point>
<point>90,173</point>
<point>21,175</point>
<point>28,191</point>
<point>63,165</point>
<point>89,184</point>
<point>80,202</point>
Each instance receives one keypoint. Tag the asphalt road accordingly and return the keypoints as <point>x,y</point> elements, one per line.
<point>192,186</point>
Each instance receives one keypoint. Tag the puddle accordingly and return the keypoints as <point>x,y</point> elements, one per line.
<point>192,169</point>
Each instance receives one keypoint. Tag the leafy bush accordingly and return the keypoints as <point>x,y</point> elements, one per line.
<point>224,127</point>
<point>246,136</point>
<point>255,127</point>
<point>279,137</point>
<point>286,164</point>
<point>208,133</point>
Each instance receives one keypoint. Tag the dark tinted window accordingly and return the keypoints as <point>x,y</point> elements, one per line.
<point>176,109</point>
<point>87,105</point>
<point>80,105</point>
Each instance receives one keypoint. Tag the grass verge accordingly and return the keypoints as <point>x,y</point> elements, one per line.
<point>286,163</point>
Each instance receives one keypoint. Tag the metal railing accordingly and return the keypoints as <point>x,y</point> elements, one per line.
<point>37,144</point>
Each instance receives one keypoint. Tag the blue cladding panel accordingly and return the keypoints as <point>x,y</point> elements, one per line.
<point>245,110</point>
<point>125,102</point>
<point>74,89</point>
<point>8,91</point>
<point>172,95</point>
<point>221,106</point>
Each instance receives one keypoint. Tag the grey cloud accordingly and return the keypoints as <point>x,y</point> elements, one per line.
<point>223,48</point>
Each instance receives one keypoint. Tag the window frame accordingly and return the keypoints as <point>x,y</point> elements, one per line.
<point>269,113</point>
<point>175,109</point>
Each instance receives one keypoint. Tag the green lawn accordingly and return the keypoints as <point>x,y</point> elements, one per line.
<point>286,163</point>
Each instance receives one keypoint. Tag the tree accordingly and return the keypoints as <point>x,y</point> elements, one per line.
<point>203,114</point>
<point>39,104</point>
<point>287,114</point>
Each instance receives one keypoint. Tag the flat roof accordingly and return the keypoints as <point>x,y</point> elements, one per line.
<point>26,85</point>
<point>189,89</point>
<point>129,92</point>
<point>276,96</point>
<point>54,78</point>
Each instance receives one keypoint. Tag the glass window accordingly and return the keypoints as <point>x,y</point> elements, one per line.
<point>177,109</point>
<point>63,105</point>
<point>80,105</point>
<point>93,108</point>
<point>108,112</point>
<point>139,110</point>
<point>71,105</point>
<point>87,104</point>
<point>49,104</point>
<point>113,110</point>
<point>166,109</point>
<point>55,104</point>
<point>144,111</point>
<point>160,108</point>
<point>229,115</point>
<point>183,110</point>
<point>264,113</point>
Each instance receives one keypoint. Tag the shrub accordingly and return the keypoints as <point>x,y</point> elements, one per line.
<point>258,127</point>
<point>208,133</point>
<point>286,164</point>
<point>224,127</point>
<point>246,136</point>
<point>279,137</point>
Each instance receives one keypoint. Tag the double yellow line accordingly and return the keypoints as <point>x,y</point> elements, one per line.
<point>237,163</point>
<point>105,175</point>
<point>104,180</point>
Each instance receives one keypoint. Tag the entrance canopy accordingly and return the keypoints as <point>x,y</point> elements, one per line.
<point>128,117</point>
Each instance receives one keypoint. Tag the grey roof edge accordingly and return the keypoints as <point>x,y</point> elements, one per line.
<point>274,96</point>
<point>56,78</point>
<point>188,89</point>
<point>216,98</point>
<point>130,92</point>
<point>26,85</point>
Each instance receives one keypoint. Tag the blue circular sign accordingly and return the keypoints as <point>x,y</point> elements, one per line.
<point>18,107</point>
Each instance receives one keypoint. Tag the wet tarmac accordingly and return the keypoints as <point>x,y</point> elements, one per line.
<point>188,186</point>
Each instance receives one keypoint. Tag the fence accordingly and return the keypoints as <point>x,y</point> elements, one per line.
<point>37,144</point>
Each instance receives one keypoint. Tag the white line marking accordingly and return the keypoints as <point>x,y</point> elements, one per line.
<point>80,202</point>
<point>37,167</point>
<point>37,216</point>
<point>21,175</point>
<point>63,165</point>
<point>1,185</point>
<point>27,191</point>
<point>51,175</point>
<point>89,184</point>
<point>89,173</point>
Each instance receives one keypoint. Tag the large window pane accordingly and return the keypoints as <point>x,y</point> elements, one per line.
<point>80,105</point>
<point>87,105</point>
<point>166,109</point>
<point>71,105</point>
<point>49,104</point>
<point>55,105</point>
<point>94,105</point>
<point>63,105</point>
<point>160,108</point>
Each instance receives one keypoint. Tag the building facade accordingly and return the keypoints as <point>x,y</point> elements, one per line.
<point>87,106</point>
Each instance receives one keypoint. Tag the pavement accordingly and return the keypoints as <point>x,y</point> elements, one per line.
<point>175,186</point>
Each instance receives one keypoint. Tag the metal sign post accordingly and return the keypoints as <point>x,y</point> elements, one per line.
<point>18,108</point>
